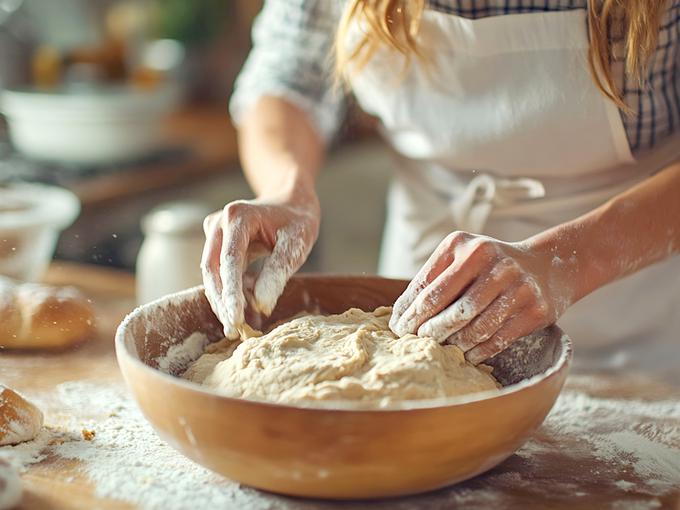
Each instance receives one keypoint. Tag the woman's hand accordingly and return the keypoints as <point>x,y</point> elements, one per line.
<point>482,294</point>
<point>285,229</point>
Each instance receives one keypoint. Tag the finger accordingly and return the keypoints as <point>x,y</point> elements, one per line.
<point>288,255</point>
<point>233,260</point>
<point>437,296</point>
<point>487,323</point>
<point>513,329</point>
<point>442,258</point>
<point>249,289</point>
<point>210,266</point>
<point>480,294</point>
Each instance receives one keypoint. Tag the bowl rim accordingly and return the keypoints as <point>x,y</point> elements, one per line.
<point>113,101</point>
<point>123,355</point>
<point>55,207</point>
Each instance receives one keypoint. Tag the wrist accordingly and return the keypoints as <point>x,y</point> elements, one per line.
<point>292,187</point>
<point>564,264</point>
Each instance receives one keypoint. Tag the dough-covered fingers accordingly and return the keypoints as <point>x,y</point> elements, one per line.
<point>483,291</point>
<point>487,323</point>
<point>436,297</point>
<point>210,265</point>
<point>246,230</point>
<point>516,327</point>
<point>290,252</point>
<point>442,258</point>
<point>233,260</point>
<point>455,263</point>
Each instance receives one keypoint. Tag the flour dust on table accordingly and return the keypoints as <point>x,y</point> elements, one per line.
<point>10,486</point>
<point>609,456</point>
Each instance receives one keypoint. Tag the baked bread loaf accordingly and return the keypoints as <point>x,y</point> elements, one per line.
<point>34,316</point>
<point>19,419</point>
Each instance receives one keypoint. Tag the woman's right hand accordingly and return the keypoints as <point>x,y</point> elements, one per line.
<point>284,228</point>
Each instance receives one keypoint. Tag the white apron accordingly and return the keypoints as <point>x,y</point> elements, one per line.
<point>503,132</point>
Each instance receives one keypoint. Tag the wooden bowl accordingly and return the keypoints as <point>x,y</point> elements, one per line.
<point>334,450</point>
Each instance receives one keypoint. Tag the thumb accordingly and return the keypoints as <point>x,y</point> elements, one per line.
<point>287,257</point>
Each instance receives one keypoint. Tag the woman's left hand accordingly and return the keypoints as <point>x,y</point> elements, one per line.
<point>482,294</point>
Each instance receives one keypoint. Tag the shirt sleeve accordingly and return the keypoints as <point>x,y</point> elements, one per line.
<point>291,59</point>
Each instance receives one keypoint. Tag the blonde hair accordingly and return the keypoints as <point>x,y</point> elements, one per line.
<point>395,24</point>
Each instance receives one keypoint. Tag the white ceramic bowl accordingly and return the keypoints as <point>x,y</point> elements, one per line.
<point>31,219</point>
<point>88,126</point>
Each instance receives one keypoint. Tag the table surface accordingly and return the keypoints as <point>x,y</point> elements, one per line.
<point>557,469</point>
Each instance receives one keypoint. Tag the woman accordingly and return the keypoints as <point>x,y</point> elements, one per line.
<point>536,146</point>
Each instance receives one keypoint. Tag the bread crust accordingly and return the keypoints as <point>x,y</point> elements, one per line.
<point>20,420</point>
<point>35,316</point>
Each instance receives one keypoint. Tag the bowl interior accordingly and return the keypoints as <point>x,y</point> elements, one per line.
<point>152,329</point>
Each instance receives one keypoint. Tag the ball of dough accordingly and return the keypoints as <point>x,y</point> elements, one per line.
<point>19,419</point>
<point>353,356</point>
<point>10,486</point>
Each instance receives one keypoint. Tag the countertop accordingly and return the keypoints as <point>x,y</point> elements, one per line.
<point>610,442</point>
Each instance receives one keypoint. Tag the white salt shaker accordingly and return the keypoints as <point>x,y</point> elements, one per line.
<point>170,256</point>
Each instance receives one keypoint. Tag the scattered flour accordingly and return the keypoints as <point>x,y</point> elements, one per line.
<point>621,432</point>
<point>638,463</point>
<point>181,354</point>
<point>10,486</point>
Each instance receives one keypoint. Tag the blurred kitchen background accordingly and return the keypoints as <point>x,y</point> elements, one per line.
<point>124,103</point>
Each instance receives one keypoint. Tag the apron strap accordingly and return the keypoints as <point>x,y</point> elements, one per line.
<point>472,208</point>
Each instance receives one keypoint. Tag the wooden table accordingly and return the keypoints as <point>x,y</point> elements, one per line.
<point>557,469</point>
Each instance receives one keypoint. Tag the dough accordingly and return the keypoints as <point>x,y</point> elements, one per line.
<point>352,356</point>
<point>10,486</point>
<point>19,419</point>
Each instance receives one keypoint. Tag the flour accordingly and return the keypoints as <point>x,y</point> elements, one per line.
<point>25,454</point>
<point>15,431</point>
<point>126,460</point>
<point>183,353</point>
<point>619,432</point>
<point>10,486</point>
<point>450,320</point>
<point>290,252</point>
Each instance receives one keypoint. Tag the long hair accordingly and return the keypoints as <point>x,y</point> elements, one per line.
<point>395,24</point>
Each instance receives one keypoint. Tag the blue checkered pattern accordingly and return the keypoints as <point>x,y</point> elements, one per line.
<point>292,41</point>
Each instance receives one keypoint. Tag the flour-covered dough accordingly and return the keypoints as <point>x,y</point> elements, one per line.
<point>352,356</point>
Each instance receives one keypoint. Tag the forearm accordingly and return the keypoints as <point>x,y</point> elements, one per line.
<point>631,231</point>
<point>280,150</point>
